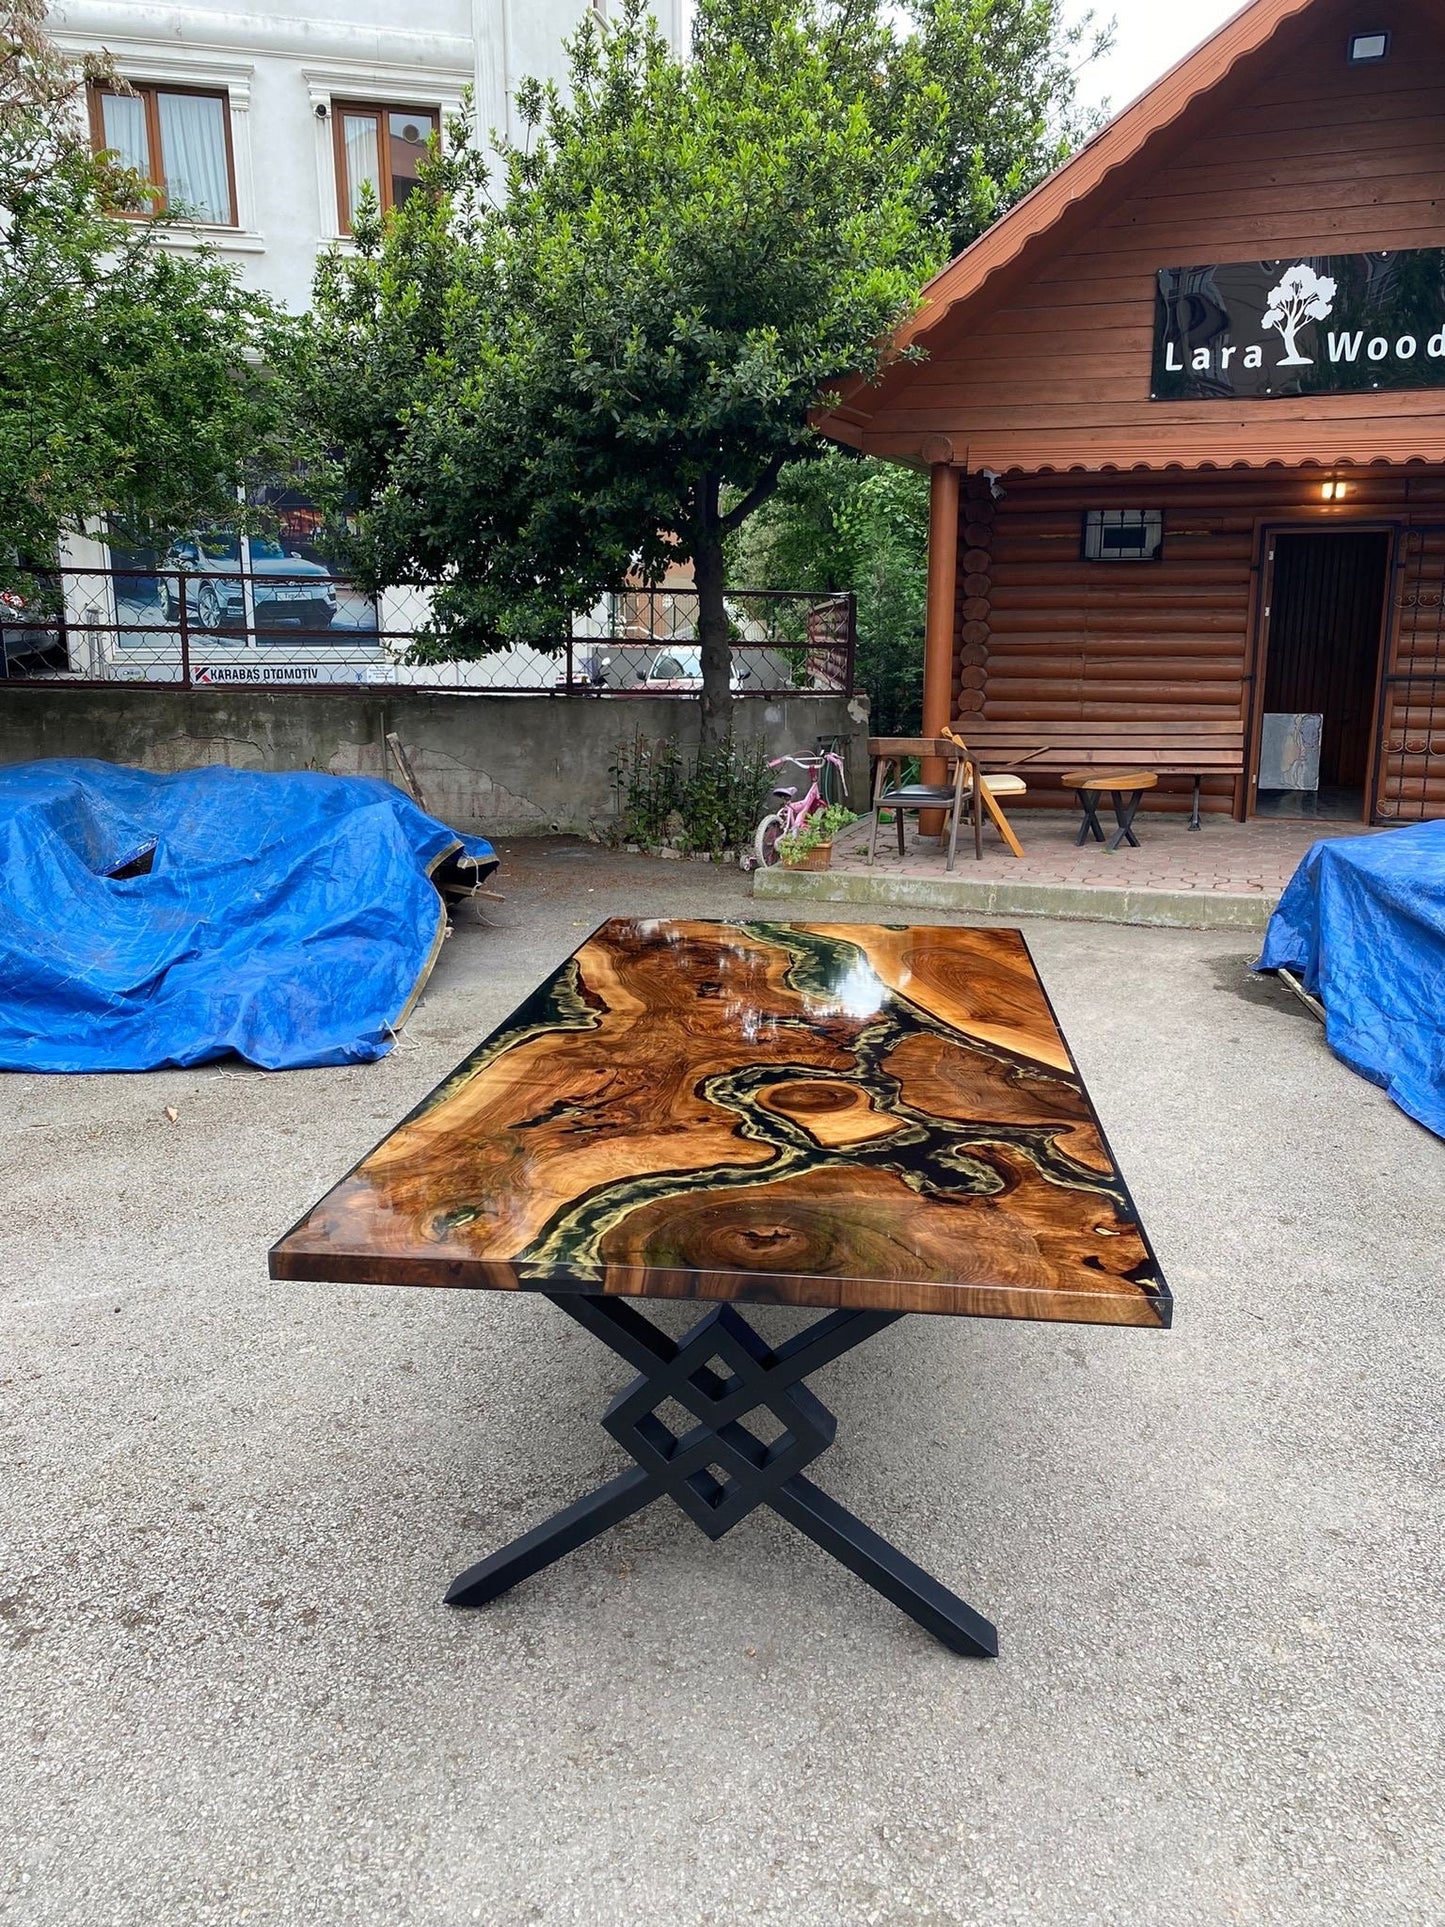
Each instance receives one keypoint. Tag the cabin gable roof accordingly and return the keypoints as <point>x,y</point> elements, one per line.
<point>1037,340</point>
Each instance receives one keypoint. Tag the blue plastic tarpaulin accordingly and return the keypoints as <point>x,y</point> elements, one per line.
<point>1362,923</point>
<point>290,919</point>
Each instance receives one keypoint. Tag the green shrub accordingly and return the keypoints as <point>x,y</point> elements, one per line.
<point>821,827</point>
<point>707,800</point>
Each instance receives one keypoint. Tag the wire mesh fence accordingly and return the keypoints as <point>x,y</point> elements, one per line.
<point>210,621</point>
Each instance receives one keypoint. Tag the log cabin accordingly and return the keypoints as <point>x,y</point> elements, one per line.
<point>1183,409</point>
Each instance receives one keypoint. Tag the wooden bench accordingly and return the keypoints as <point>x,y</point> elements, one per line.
<point>1188,749</point>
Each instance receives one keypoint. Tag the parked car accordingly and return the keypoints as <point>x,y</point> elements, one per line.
<point>677,671</point>
<point>32,640</point>
<point>284,588</point>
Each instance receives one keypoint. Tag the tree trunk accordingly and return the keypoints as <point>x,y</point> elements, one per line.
<point>712,635</point>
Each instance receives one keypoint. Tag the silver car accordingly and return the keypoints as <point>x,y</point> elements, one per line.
<point>284,587</point>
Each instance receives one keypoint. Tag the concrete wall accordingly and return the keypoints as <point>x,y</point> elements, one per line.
<point>505,765</point>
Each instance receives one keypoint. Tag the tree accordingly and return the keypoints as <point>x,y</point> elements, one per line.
<point>128,383</point>
<point>1301,296</point>
<point>845,523</point>
<point>1006,72</point>
<point>614,363</point>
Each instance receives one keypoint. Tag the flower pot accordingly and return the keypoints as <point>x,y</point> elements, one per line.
<point>820,857</point>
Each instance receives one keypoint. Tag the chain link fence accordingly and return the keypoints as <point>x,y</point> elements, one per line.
<point>207,618</point>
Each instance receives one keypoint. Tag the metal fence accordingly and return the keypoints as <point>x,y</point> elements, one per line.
<point>298,626</point>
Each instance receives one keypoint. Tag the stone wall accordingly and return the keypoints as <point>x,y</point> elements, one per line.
<point>505,765</point>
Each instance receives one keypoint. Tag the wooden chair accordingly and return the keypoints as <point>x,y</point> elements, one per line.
<point>986,791</point>
<point>890,753</point>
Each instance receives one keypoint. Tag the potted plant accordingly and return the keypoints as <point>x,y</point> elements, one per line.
<point>810,847</point>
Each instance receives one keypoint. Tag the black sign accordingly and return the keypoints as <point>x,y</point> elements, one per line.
<point>1326,324</point>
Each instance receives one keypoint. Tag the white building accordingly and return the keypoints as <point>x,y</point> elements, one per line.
<point>267,123</point>
<point>269,119</point>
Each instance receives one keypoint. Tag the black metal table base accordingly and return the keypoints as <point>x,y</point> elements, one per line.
<point>1126,808</point>
<point>720,1469</point>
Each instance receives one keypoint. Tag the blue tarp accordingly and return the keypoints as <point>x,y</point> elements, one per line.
<point>1363,924</point>
<point>290,919</point>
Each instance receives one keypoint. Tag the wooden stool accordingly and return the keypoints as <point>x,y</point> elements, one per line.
<point>1126,789</point>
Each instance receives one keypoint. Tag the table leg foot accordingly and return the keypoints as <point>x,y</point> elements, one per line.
<point>608,1506</point>
<point>883,1567</point>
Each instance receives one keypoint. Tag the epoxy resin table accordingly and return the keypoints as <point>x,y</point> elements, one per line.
<point>872,1120</point>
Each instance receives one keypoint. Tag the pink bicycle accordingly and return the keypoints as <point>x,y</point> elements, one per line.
<point>795,811</point>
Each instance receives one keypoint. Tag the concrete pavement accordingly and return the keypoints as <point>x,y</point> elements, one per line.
<point>229,1690</point>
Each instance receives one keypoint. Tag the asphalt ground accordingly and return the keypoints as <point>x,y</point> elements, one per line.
<point>229,1690</point>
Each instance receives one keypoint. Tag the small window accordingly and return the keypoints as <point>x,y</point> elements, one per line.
<point>176,138</point>
<point>1123,535</point>
<point>384,146</point>
<point>1366,48</point>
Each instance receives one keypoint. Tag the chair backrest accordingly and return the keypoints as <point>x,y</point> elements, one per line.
<point>897,748</point>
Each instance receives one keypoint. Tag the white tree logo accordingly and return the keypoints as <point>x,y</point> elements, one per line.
<point>1302,296</point>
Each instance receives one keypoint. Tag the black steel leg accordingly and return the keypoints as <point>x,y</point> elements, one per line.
<point>1194,822</point>
<point>1089,803</point>
<point>608,1506</point>
<point>1126,808</point>
<point>720,1470</point>
<point>886,1569</point>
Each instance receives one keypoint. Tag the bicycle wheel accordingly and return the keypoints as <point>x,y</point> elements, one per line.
<point>765,840</point>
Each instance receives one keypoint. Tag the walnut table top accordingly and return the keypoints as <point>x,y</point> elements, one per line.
<point>862,1117</point>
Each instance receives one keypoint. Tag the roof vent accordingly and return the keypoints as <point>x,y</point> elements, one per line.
<point>1366,48</point>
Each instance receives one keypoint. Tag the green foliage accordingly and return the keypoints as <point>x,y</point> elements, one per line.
<point>128,383</point>
<point>709,803</point>
<point>534,391</point>
<point>1007,73</point>
<point>647,777</point>
<point>539,385</point>
<point>844,523</point>
<point>821,827</point>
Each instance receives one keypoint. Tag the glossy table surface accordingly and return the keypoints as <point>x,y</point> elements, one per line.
<point>844,1115</point>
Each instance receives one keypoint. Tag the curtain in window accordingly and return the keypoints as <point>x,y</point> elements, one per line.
<point>360,133</point>
<point>193,152</point>
<point>123,120</point>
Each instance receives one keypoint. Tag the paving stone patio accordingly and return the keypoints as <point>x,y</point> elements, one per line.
<point>1227,873</point>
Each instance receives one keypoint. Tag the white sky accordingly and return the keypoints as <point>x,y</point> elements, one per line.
<point>1150,36</point>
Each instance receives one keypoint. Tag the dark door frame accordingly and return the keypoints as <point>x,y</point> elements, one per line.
<point>1268,533</point>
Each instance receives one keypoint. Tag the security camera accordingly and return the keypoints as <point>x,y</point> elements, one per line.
<point>322,110</point>
<point>995,489</point>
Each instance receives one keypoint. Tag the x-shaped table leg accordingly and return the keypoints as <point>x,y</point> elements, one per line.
<point>1088,801</point>
<point>720,1470</point>
<point>1126,808</point>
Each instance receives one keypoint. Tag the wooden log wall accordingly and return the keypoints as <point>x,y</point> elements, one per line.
<point>1042,634</point>
<point>1411,784</point>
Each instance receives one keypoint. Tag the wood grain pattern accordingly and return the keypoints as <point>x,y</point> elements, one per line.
<point>830,1115</point>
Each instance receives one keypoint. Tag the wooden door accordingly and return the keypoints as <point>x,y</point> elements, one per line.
<point>1410,764</point>
<point>1327,601</point>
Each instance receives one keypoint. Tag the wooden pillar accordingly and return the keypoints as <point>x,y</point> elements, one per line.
<point>938,625</point>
